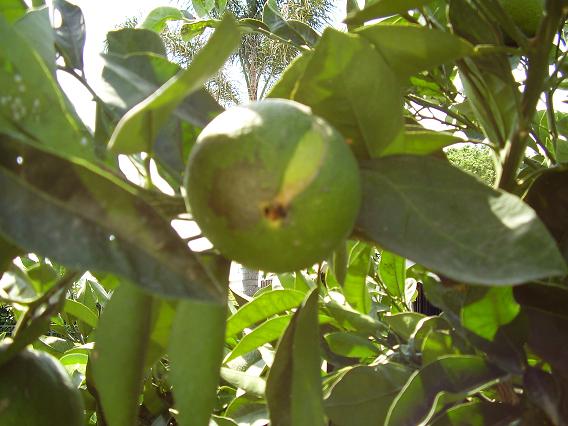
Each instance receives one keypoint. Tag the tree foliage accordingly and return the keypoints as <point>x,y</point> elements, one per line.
<point>149,330</point>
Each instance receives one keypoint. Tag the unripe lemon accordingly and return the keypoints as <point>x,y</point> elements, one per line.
<point>36,390</point>
<point>272,186</point>
<point>525,13</point>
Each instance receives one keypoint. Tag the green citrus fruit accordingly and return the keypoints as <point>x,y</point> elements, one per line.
<point>35,390</point>
<point>525,13</point>
<point>273,186</point>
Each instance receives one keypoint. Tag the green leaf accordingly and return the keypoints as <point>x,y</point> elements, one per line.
<point>32,106</point>
<point>404,324</point>
<point>392,272</point>
<point>421,142</point>
<point>410,49</point>
<point>355,285</point>
<point>478,413</point>
<point>353,320</point>
<point>293,386</point>
<point>70,36</point>
<point>451,376</point>
<point>12,10</point>
<point>266,332</point>
<point>193,29</point>
<point>278,25</point>
<point>203,7</point>
<point>252,385</point>
<point>351,345</point>
<point>287,84</point>
<point>138,129</point>
<point>486,310</point>
<point>81,312</point>
<point>158,18</point>
<point>428,211</point>
<point>35,27</point>
<point>363,394</point>
<point>119,354</point>
<point>135,40</point>
<point>87,219</point>
<point>382,8</point>
<point>196,352</point>
<point>263,307</point>
<point>350,85</point>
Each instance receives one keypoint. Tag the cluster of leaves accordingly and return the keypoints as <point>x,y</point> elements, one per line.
<point>149,330</point>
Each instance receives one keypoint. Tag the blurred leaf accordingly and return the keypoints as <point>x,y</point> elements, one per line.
<point>548,195</point>
<point>248,411</point>
<point>428,211</point>
<point>429,48</point>
<point>351,345</point>
<point>88,219</point>
<point>293,386</point>
<point>363,394</point>
<point>421,142</point>
<point>158,18</point>
<point>12,10</point>
<point>263,307</point>
<point>548,392</point>
<point>127,41</point>
<point>193,29</point>
<point>35,27</point>
<point>70,36</point>
<point>119,354</point>
<point>438,344</point>
<point>8,252</point>
<point>350,85</point>
<point>203,7</point>
<point>137,130</point>
<point>196,352</point>
<point>288,82</point>
<point>545,308</point>
<point>355,285</point>
<point>32,106</point>
<point>478,413</point>
<point>382,8</point>
<point>453,377</point>
<point>81,312</point>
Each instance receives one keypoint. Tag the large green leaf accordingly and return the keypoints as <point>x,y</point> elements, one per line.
<point>35,27</point>
<point>84,218</point>
<point>293,387</point>
<point>350,85</point>
<point>252,385</point>
<point>382,8</point>
<point>404,324</point>
<point>355,284</point>
<point>196,352</point>
<point>436,215</point>
<point>81,312</point>
<point>421,142</point>
<point>363,394</point>
<point>352,320</point>
<point>351,345</point>
<point>119,354</point>
<point>32,106</point>
<point>450,377</point>
<point>138,129</point>
<point>263,307</point>
<point>410,49</point>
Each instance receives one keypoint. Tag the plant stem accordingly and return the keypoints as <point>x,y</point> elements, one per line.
<point>537,73</point>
